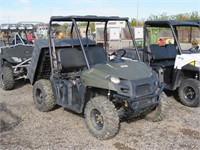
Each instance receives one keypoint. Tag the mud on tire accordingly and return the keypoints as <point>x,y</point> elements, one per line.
<point>7,79</point>
<point>43,95</point>
<point>159,113</point>
<point>101,118</point>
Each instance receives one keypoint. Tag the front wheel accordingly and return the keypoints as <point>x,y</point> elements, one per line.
<point>43,95</point>
<point>159,112</point>
<point>189,92</point>
<point>7,79</point>
<point>101,118</point>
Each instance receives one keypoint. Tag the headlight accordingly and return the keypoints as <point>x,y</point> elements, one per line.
<point>195,63</point>
<point>115,80</point>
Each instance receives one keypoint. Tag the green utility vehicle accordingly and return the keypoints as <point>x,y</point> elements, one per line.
<point>77,74</point>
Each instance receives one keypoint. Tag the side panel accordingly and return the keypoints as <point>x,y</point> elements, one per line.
<point>33,64</point>
<point>38,47</point>
<point>184,59</point>
<point>17,54</point>
<point>69,94</point>
<point>176,80</point>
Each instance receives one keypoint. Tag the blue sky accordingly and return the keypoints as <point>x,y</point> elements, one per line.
<point>12,11</point>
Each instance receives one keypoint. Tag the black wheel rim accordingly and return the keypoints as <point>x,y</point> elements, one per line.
<point>39,96</point>
<point>97,119</point>
<point>189,93</point>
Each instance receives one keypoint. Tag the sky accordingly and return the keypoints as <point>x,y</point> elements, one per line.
<point>13,11</point>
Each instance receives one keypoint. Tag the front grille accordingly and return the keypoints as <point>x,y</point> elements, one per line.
<point>142,90</point>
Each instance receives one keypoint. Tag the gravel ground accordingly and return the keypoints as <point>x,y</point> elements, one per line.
<point>24,127</point>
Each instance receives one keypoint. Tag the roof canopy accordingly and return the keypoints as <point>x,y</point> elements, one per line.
<point>167,23</point>
<point>16,27</point>
<point>88,18</point>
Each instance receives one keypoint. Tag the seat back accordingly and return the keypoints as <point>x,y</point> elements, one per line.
<point>167,52</point>
<point>96,55</point>
<point>73,57</point>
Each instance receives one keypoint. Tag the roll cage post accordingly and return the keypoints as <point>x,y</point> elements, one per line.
<point>133,39</point>
<point>82,47</point>
<point>175,34</point>
<point>146,49</point>
<point>17,35</point>
<point>71,34</point>
<point>105,35</point>
<point>52,53</point>
<point>53,60</point>
<point>88,23</point>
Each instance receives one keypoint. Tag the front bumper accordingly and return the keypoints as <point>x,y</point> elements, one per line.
<point>142,101</point>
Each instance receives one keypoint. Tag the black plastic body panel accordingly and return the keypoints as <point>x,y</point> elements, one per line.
<point>22,52</point>
<point>69,94</point>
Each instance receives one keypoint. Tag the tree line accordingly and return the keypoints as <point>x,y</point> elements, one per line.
<point>134,22</point>
<point>164,16</point>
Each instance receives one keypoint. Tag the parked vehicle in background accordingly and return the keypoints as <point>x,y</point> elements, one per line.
<point>118,35</point>
<point>77,74</point>
<point>15,53</point>
<point>42,31</point>
<point>177,60</point>
<point>40,28</point>
<point>82,30</point>
<point>139,34</point>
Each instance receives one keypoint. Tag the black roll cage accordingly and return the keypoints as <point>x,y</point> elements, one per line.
<point>18,30</point>
<point>87,19</point>
<point>172,24</point>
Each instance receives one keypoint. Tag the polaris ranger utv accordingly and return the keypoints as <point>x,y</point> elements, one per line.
<point>177,60</point>
<point>76,73</point>
<point>15,54</point>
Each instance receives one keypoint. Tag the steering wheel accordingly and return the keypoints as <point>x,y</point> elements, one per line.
<point>195,48</point>
<point>119,53</point>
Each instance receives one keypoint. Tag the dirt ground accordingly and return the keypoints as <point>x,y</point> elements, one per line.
<point>22,127</point>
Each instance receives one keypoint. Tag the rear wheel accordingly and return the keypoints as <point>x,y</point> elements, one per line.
<point>189,92</point>
<point>7,79</point>
<point>101,118</point>
<point>43,95</point>
<point>160,111</point>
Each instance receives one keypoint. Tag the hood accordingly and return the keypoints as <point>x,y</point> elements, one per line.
<point>125,69</point>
